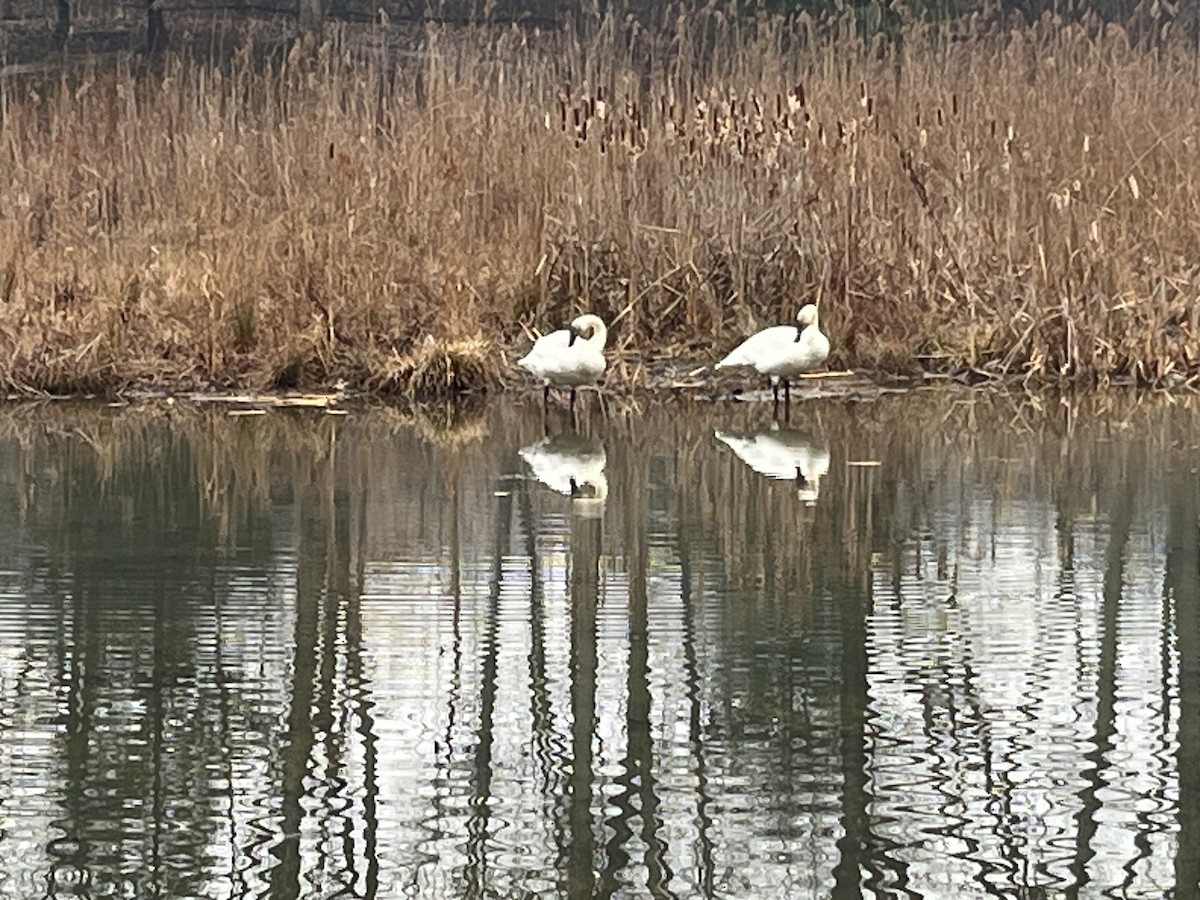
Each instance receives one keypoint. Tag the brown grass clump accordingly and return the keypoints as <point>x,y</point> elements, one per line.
<point>1008,204</point>
<point>436,368</point>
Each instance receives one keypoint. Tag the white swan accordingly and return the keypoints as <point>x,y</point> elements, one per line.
<point>783,351</point>
<point>572,465</point>
<point>570,357</point>
<point>785,454</point>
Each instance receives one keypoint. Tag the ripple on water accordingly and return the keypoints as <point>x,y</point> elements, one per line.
<point>986,681</point>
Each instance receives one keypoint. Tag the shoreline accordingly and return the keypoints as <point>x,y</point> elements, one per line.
<point>859,386</point>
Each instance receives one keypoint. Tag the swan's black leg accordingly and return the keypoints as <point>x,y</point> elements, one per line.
<point>572,402</point>
<point>545,395</point>
<point>775,390</point>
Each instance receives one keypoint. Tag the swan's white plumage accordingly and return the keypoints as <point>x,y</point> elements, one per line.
<point>572,465</point>
<point>562,362</point>
<point>783,351</point>
<point>785,454</point>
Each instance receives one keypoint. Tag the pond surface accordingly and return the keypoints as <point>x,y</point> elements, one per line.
<point>932,645</point>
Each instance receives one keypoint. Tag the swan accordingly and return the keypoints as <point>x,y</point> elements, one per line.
<point>785,454</point>
<point>783,351</point>
<point>569,357</point>
<point>571,465</point>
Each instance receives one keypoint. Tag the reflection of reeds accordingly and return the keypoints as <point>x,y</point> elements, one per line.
<point>451,427</point>
<point>1011,444</point>
<point>294,219</point>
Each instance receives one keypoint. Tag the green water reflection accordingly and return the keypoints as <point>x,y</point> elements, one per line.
<point>929,644</point>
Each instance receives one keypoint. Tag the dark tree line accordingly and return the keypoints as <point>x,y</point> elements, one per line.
<point>311,15</point>
<point>156,29</point>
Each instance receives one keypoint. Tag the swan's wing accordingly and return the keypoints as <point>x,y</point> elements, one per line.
<point>548,347</point>
<point>763,344</point>
<point>798,448</point>
<point>788,358</point>
<point>779,454</point>
<point>814,348</point>
<point>764,458</point>
<point>564,358</point>
<point>586,455</point>
<point>556,461</point>
<point>547,468</point>
<point>734,442</point>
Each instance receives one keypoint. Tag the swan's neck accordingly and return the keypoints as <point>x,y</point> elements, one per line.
<point>803,329</point>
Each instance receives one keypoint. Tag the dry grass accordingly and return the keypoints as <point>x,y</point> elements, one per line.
<point>1025,204</point>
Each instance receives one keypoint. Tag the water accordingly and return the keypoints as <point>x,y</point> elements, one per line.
<point>931,645</point>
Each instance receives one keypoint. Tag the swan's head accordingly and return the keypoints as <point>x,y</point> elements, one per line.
<point>807,315</point>
<point>587,498</point>
<point>808,488</point>
<point>590,327</point>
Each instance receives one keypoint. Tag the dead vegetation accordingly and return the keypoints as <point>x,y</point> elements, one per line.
<point>1022,204</point>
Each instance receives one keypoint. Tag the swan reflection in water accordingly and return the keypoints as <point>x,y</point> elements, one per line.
<point>573,465</point>
<point>785,454</point>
